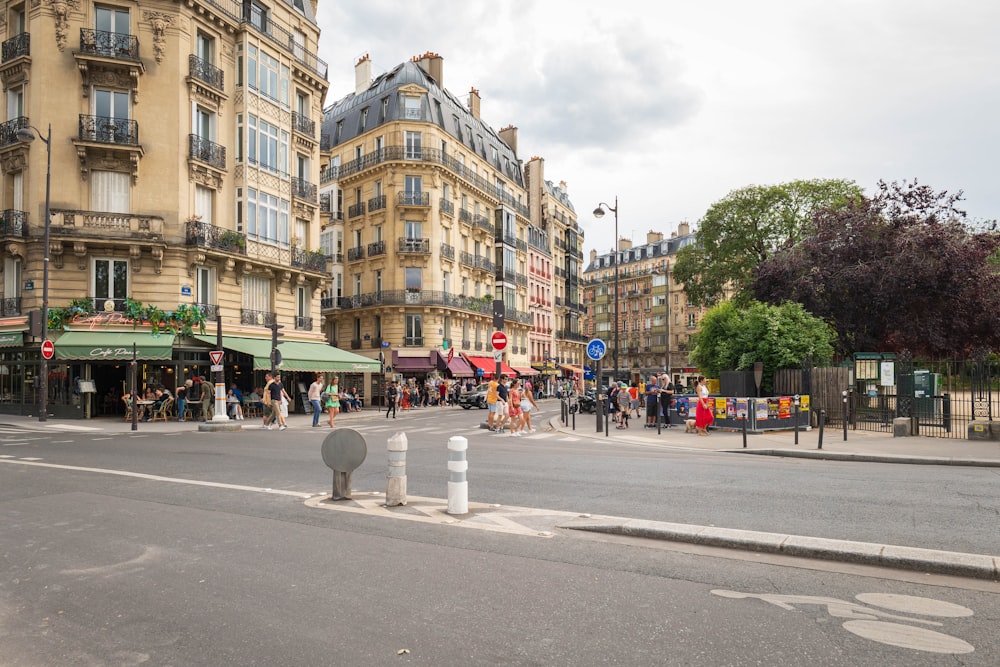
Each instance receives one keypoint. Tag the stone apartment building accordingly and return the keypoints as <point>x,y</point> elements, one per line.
<point>652,307</point>
<point>429,220</point>
<point>185,157</point>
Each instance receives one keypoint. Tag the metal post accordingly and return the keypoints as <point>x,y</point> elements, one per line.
<point>132,396</point>
<point>822,418</point>
<point>946,412</point>
<point>598,405</point>
<point>220,378</point>
<point>458,484</point>
<point>574,421</point>
<point>395,493</point>
<point>795,417</point>
<point>744,432</point>
<point>845,414</point>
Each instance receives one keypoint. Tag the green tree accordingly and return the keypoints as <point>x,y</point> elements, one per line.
<point>740,231</point>
<point>733,337</point>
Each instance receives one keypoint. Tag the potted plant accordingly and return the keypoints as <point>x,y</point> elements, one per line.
<point>232,241</point>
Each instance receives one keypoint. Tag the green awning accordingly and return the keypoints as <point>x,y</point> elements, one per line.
<point>297,355</point>
<point>12,339</point>
<point>114,346</point>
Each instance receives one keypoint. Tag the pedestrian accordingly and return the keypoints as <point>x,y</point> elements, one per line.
<point>284,400</point>
<point>207,400</point>
<point>666,398</point>
<point>514,407</point>
<point>443,393</point>
<point>332,398</point>
<point>391,396</point>
<point>182,394</point>
<point>633,398</point>
<point>624,406</point>
<point>315,397</point>
<point>652,402</point>
<point>404,401</point>
<point>703,417</point>
<point>503,404</point>
<point>528,406</point>
<point>491,403</point>
<point>268,411</point>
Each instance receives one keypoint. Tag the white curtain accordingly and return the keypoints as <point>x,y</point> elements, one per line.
<point>257,294</point>
<point>203,200</point>
<point>109,191</point>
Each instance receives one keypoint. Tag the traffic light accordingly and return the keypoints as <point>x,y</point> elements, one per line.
<point>275,342</point>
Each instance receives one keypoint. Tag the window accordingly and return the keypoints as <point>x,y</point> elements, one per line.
<point>363,120</point>
<point>257,294</point>
<point>204,48</point>
<point>112,19</point>
<point>414,329</point>
<point>110,279</point>
<point>204,285</point>
<point>15,102</point>
<point>357,284</point>
<point>11,280</point>
<point>465,286</point>
<point>302,305</point>
<point>299,45</point>
<point>256,14</point>
<point>412,230</point>
<point>412,142</point>
<point>384,111</point>
<point>446,282</point>
<point>267,216</point>
<point>204,203</point>
<point>110,191</point>
<point>412,107</point>
<point>378,283</point>
<point>203,123</point>
<point>267,75</point>
<point>267,146</point>
<point>414,279</point>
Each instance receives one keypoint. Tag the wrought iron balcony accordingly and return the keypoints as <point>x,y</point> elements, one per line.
<point>479,305</point>
<point>376,203</point>
<point>356,344</point>
<point>8,130</point>
<point>482,263</point>
<point>14,223</point>
<point>413,341</point>
<point>18,45</point>
<point>413,199</point>
<point>354,254</point>
<point>11,306</point>
<point>310,260</point>
<point>447,251</point>
<point>109,44</point>
<point>328,303</point>
<point>260,318</point>
<point>466,344</point>
<point>304,323</point>
<point>206,235</point>
<point>354,210</point>
<point>107,130</point>
<point>209,310</point>
<point>206,72</point>
<point>324,202</point>
<point>465,215</point>
<point>466,258</point>
<point>417,246</point>
<point>303,189</point>
<point>98,303</point>
<point>479,345</point>
<point>447,207</point>
<point>376,342</point>
<point>482,222</point>
<point>376,248</point>
<point>207,151</point>
<point>303,124</point>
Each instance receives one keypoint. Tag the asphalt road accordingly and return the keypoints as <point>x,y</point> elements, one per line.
<point>101,569</point>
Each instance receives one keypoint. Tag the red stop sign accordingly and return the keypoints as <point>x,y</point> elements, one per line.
<point>499,340</point>
<point>48,349</point>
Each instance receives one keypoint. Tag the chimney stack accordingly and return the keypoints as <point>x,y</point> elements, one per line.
<point>474,100</point>
<point>362,74</point>
<point>683,229</point>
<point>433,65</point>
<point>593,256</point>
<point>509,136</point>
<point>653,237</point>
<point>624,243</point>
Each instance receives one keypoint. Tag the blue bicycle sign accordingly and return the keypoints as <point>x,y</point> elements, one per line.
<point>596,349</point>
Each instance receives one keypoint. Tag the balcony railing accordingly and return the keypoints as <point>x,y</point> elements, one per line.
<point>418,246</point>
<point>18,45</point>
<point>11,306</point>
<point>377,248</point>
<point>447,207</point>
<point>354,210</point>
<point>479,305</point>
<point>98,303</point>
<point>209,236</point>
<point>8,130</point>
<point>206,72</point>
<point>209,310</point>
<point>466,344</point>
<point>303,189</point>
<point>466,258</point>
<point>207,151</point>
<point>447,251</point>
<point>310,260</point>
<point>354,254</point>
<point>14,223</point>
<point>413,199</point>
<point>483,223</point>
<point>465,215</point>
<point>107,130</point>
<point>303,124</point>
<point>304,323</point>
<point>413,341</point>
<point>260,318</point>
<point>324,202</point>
<point>356,344</point>
<point>109,44</point>
<point>376,203</point>
<point>482,263</point>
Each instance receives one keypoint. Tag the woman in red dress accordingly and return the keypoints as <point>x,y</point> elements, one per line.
<point>404,402</point>
<point>703,417</point>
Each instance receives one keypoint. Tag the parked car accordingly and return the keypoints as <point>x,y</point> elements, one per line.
<point>474,398</point>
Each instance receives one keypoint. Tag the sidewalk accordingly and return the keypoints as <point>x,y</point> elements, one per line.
<point>860,445</point>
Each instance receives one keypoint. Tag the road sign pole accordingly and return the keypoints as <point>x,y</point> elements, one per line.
<point>220,378</point>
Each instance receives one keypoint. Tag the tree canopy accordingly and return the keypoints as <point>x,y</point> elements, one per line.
<point>742,230</point>
<point>897,270</point>
<point>733,337</point>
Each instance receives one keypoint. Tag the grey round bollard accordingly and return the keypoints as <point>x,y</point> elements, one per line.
<point>458,484</point>
<point>395,493</point>
<point>343,451</point>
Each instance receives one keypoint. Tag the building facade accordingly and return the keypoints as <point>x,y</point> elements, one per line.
<point>184,158</point>
<point>654,319</point>
<point>428,221</point>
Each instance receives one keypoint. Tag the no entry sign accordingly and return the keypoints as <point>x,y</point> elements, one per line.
<point>499,340</point>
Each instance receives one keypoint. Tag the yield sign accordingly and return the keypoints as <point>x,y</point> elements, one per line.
<point>216,356</point>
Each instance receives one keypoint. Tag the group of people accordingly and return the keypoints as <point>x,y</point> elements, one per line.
<point>510,404</point>
<point>326,396</point>
<point>658,397</point>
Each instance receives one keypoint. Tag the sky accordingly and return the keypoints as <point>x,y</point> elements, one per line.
<point>670,106</point>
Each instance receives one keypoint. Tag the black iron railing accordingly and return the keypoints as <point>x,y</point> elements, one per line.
<point>354,210</point>
<point>324,202</point>
<point>465,215</point>
<point>355,343</point>
<point>310,260</point>
<point>8,130</point>
<point>209,310</point>
<point>13,223</point>
<point>11,306</point>
<point>376,203</point>
<point>413,341</point>
<point>419,246</point>
<point>413,199</point>
<point>108,130</point>
<point>447,251</point>
<point>207,151</point>
<point>206,235</point>
<point>482,263</point>
<point>100,304</point>
<point>303,124</point>
<point>260,318</point>
<point>376,248</point>
<point>354,254</point>
<point>303,323</point>
<point>447,207</point>
<point>18,45</point>
<point>109,44</point>
<point>481,305</point>
<point>206,72</point>
<point>303,189</point>
<point>466,258</point>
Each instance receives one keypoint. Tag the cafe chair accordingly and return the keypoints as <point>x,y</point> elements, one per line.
<point>163,414</point>
<point>127,400</point>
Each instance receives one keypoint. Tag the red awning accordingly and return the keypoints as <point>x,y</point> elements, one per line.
<point>488,366</point>
<point>411,364</point>
<point>526,371</point>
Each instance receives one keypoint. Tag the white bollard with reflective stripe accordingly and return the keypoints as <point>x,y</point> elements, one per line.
<point>458,484</point>
<point>395,493</point>
<point>220,403</point>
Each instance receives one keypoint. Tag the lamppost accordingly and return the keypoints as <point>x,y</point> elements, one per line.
<point>27,135</point>
<point>599,213</point>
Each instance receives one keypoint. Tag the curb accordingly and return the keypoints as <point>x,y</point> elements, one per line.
<point>867,458</point>
<point>977,566</point>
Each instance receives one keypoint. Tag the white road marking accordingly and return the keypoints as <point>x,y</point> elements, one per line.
<point>30,458</point>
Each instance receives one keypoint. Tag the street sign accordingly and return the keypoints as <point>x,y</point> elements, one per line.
<point>498,356</point>
<point>451,354</point>
<point>499,340</point>
<point>216,357</point>
<point>48,349</point>
<point>215,368</point>
<point>596,349</point>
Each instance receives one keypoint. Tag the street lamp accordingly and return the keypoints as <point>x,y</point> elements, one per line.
<point>26,135</point>
<point>599,213</point>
